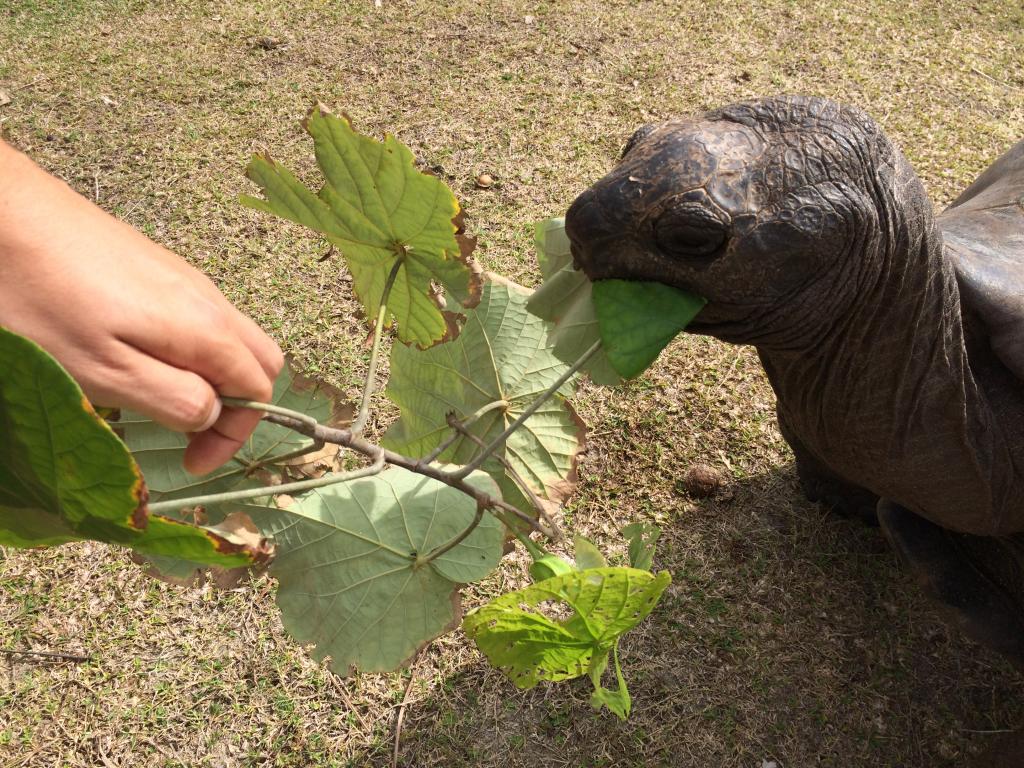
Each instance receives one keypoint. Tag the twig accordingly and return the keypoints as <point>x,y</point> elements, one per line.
<point>472,418</point>
<point>305,425</point>
<point>401,709</point>
<point>378,331</point>
<point>47,654</point>
<point>530,494</point>
<point>161,507</point>
<point>544,396</point>
<point>38,80</point>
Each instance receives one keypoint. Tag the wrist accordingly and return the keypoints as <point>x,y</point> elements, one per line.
<point>32,203</point>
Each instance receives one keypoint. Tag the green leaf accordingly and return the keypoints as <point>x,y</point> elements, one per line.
<point>565,300</point>
<point>350,567</point>
<point>546,566</point>
<point>502,356</point>
<point>638,320</point>
<point>633,320</point>
<point>378,209</point>
<point>65,476</point>
<point>618,701</point>
<point>587,555</point>
<point>643,538</point>
<point>159,451</point>
<point>521,639</point>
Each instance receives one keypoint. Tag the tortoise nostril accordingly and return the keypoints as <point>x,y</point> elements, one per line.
<point>690,229</point>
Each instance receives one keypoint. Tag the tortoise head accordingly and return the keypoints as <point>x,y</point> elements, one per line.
<point>777,211</point>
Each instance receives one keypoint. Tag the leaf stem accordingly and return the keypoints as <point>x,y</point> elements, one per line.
<point>497,442</point>
<point>253,405</point>
<point>454,542</point>
<point>378,331</point>
<point>173,505</point>
<point>531,495</point>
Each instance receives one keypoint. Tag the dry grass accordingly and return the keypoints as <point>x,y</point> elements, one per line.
<point>787,635</point>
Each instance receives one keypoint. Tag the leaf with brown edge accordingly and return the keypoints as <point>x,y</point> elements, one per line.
<point>65,476</point>
<point>160,451</point>
<point>501,361</point>
<point>378,209</point>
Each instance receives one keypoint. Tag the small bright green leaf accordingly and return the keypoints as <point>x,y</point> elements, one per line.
<point>643,538</point>
<point>548,566</point>
<point>638,320</point>
<point>378,209</point>
<point>350,570</point>
<point>65,476</point>
<point>587,555</point>
<point>565,300</point>
<point>503,356</point>
<point>159,451</point>
<point>618,701</point>
<point>526,643</point>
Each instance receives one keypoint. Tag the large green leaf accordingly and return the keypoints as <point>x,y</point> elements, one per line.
<point>159,451</point>
<point>637,320</point>
<point>522,636</point>
<point>65,476</point>
<point>350,570</point>
<point>378,209</point>
<point>633,320</point>
<point>503,355</point>
<point>564,298</point>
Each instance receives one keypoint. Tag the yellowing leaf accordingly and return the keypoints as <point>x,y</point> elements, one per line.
<point>518,636</point>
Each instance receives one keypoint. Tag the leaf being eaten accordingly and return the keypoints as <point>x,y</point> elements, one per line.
<point>633,320</point>
<point>564,299</point>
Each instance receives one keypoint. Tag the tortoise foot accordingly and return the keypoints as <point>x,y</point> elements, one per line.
<point>977,580</point>
<point>1006,752</point>
<point>844,499</point>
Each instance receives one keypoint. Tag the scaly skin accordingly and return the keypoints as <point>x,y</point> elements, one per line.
<point>813,240</point>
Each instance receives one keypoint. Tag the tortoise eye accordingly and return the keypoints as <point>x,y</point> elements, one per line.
<point>690,229</point>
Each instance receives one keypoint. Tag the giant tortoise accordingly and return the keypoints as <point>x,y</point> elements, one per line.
<point>893,338</point>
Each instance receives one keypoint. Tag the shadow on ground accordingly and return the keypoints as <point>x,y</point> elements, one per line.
<point>788,635</point>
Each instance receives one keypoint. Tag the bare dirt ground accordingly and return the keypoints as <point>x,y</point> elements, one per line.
<point>788,637</point>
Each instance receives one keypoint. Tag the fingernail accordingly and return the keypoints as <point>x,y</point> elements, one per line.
<point>212,418</point>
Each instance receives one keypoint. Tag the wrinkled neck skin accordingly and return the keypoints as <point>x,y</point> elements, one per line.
<point>883,392</point>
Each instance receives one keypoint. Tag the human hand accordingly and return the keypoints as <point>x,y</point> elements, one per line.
<point>134,324</point>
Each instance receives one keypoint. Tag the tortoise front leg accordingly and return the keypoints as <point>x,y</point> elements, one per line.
<point>820,484</point>
<point>977,581</point>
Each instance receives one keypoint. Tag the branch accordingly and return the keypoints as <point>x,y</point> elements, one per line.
<point>47,655</point>
<point>310,427</point>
